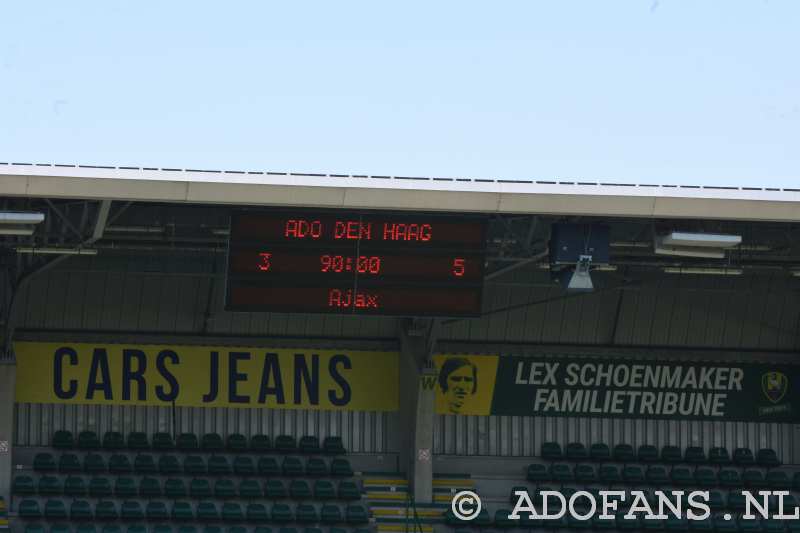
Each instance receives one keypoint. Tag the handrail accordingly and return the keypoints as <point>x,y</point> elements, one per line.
<point>410,500</point>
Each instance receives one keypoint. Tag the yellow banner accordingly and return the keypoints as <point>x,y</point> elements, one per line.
<point>465,385</point>
<point>194,376</point>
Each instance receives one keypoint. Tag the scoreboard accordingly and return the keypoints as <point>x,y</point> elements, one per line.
<point>356,264</point>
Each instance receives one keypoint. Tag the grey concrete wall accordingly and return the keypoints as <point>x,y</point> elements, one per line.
<point>8,377</point>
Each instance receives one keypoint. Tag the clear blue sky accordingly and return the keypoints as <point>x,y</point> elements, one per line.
<point>689,92</point>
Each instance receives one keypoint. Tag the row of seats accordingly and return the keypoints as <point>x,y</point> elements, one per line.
<point>633,475</point>
<point>131,510</point>
<point>736,500</point>
<point>649,454</point>
<point>136,528</point>
<point>212,442</point>
<point>175,488</point>
<point>193,464</point>
<point>719,524</point>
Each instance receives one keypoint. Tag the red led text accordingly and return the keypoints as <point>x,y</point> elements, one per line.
<point>345,299</point>
<point>264,262</point>
<point>352,230</point>
<point>459,265</point>
<point>301,228</point>
<point>406,232</point>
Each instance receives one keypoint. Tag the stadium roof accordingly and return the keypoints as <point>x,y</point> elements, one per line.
<point>370,192</point>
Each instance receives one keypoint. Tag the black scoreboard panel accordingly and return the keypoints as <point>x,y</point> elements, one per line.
<point>356,264</point>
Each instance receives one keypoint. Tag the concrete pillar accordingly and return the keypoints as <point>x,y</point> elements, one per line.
<point>8,378</point>
<point>417,409</point>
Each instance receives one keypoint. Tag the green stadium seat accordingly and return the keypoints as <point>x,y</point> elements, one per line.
<point>789,503</point>
<point>684,499</point>
<point>729,478</point>
<point>337,530</point>
<point>793,526</point>
<point>333,445</point>
<point>331,515</point>
<point>537,472</point>
<point>136,528</point>
<point>796,481</point>
<point>105,510</point>
<point>749,525</point>
<point>150,487</point>
<point>483,519</point>
<point>212,529</point>
<point>633,475</point>
<point>610,474</point>
<point>292,467</point>
<point>285,444</point>
<point>63,440</point>
<point>348,491</point>
<point>323,490</point>
<point>312,530</point>
<point>700,526</point>
<point>93,463</point>
<point>743,456</point>
<point>218,465</point>
<point>299,489</point>
<point>550,523</point>
<point>132,511</point>
<point>274,490</point>
<point>36,528</point>
<point>80,510</point>
<point>647,454</point>
<point>577,452</point>
<point>257,512</point>
<point>24,485</point>
<point>199,488</point>
<point>250,489</point>
<point>652,524</point>
<point>567,492</point>
<point>112,440</point>
<point>552,451</point>
<point>224,488</point>
<point>157,511</point>
<point>695,455</point>
<point>163,441</point>
<point>715,501</point>
<point>341,468</point>
<point>144,464</point>
<point>187,529</point>
<point>68,462</point>
<point>562,474</point>
<point>237,443</point>
<point>111,528</point>
<point>513,498</point>
<point>671,454</point>
<point>288,530</point>
<point>754,478</point>
<point>99,486</point>
<point>244,466</point>
<point>627,524</point>
<point>207,511</point>
<point>138,441</point>
<point>260,444</point>
<point>657,476</point>
<point>778,480</point>
<point>501,519</point>
<point>194,465</point>
<point>232,512</point>
<point>675,523</point>
<point>600,452</point>
<point>356,515</point>
<point>237,529</point>
<point>44,462</point>
<point>282,513</point>
<point>316,467</point>
<point>182,511</point>
<point>188,442</point>
<point>49,485</point>
<point>539,496</point>
<point>526,522</point>
<point>125,487</point>
<point>212,442</point>
<point>721,525</point>
<point>168,464</point>
<point>310,444</point>
<point>767,457</point>
<point>772,525</point>
<point>736,501</point>
<point>87,440</point>
<point>263,529</point>
<point>85,528</point>
<point>681,477</point>
<point>603,523</point>
<point>268,466</point>
<point>585,474</point>
<point>706,478</point>
<point>624,453</point>
<point>719,456</point>
<point>119,464</point>
<point>29,509</point>
<point>175,488</point>
<point>74,486</point>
